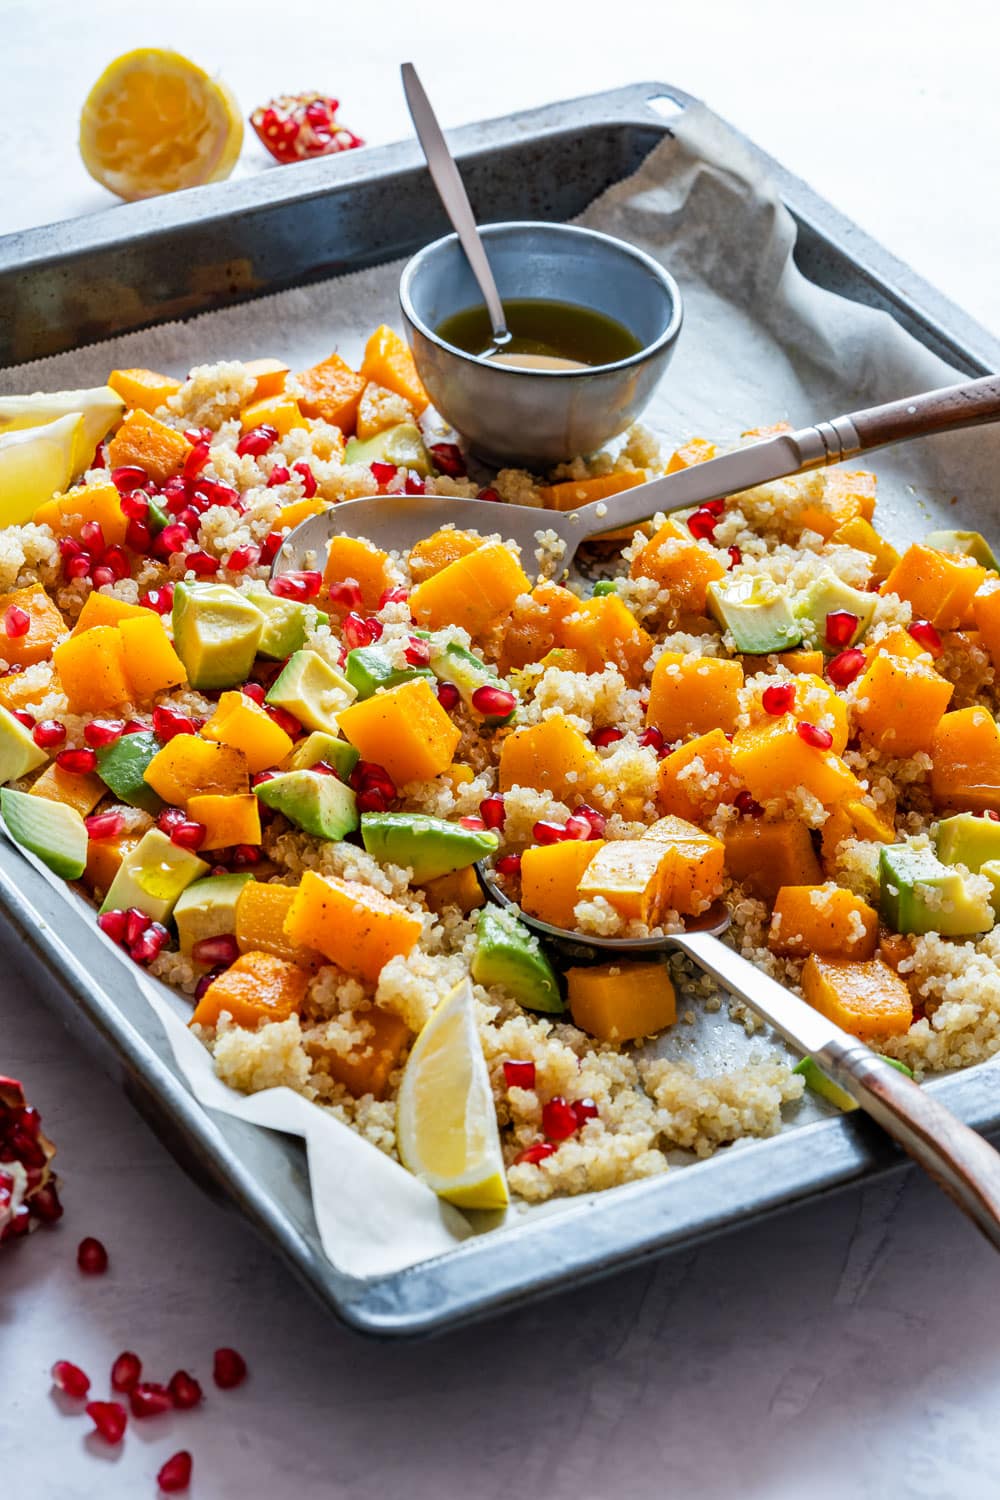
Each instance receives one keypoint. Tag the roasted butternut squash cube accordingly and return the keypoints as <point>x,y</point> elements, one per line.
<point>149,443</point>
<point>477,591</point>
<point>105,609</point>
<point>243,725</point>
<point>104,857</point>
<point>189,766</point>
<point>352,925</point>
<point>606,633</point>
<point>683,567</point>
<point>862,536</point>
<point>940,588</point>
<point>621,1002</point>
<point>572,493</point>
<point>773,761</point>
<point>898,642</point>
<point>261,909</point>
<point>436,551</point>
<point>368,1067</point>
<point>80,792</point>
<point>694,451</point>
<point>332,392</point>
<point>91,670</point>
<point>269,376</point>
<point>635,876</point>
<point>693,779</point>
<point>405,730</point>
<point>536,620</point>
<point>800,662</point>
<point>764,856</point>
<point>986,612</point>
<point>280,412</point>
<point>69,513</point>
<point>144,389</point>
<point>552,756</point>
<point>550,875</point>
<point>460,888</point>
<point>899,704</point>
<point>352,560</point>
<point>867,999</point>
<point>388,362</point>
<point>257,988</point>
<point>856,820</point>
<point>45,626</point>
<point>300,510</point>
<point>694,695</point>
<point>228,818</point>
<point>698,863</point>
<point>846,497</point>
<point>151,663</point>
<point>823,919</point>
<point>965,755</point>
<point>816,702</point>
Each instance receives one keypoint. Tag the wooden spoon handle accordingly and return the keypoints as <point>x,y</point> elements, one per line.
<point>966,405</point>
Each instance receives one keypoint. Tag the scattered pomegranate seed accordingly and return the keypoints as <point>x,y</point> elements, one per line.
<point>149,1399</point>
<point>129,477</point>
<point>202,564</point>
<point>413,485</point>
<point>242,558</point>
<point>925,635</point>
<point>532,1155</point>
<point>23,717</point>
<point>735,557</point>
<point>229,1369</point>
<point>245,855</point>
<point>173,538</point>
<point>448,695</point>
<point>271,546</point>
<point>213,951</point>
<point>135,506</point>
<point>196,460</point>
<point>103,577</point>
<point>139,536</point>
<point>494,702</point>
<point>606,736</point>
<point>175,1475</point>
<point>286,721</point>
<point>115,559</point>
<point>69,547</point>
<point>470,821</point>
<point>198,434</point>
<point>577,828</point>
<point>819,739</point>
<point>383,473</point>
<point>169,722</point>
<point>493,811</point>
<point>307,477</point>
<point>135,924</point>
<point>126,1371</point>
<point>70,1379</point>
<point>78,566</point>
<point>702,524</point>
<point>519,1073</point>
<point>254,691</point>
<point>78,762</point>
<point>16,622</point>
<point>257,440</point>
<point>302,585</point>
<point>548,833</point>
<point>169,818</point>
<point>372,800</point>
<point>509,865</point>
<point>598,822</point>
<point>488,494</point>
<point>355,630</point>
<point>584,1110</point>
<point>213,974</point>
<point>278,475</point>
<point>653,738</point>
<point>101,732</point>
<point>189,834</point>
<point>744,803</point>
<point>263,776</point>
<point>348,593</point>
<point>397,595</point>
<point>845,666</point>
<point>841,626</point>
<point>448,459</point>
<point>113,923</point>
<point>92,1257</point>
<point>175,495</point>
<point>47,733</point>
<point>160,600</point>
<point>150,945</point>
<point>109,1418</point>
<point>92,536</point>
<point>558,1119</point>
<point>418,652</point>
<point>106,825</point>
<point>778,699</point>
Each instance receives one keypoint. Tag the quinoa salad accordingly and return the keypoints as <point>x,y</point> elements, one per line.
<point>275,790</point>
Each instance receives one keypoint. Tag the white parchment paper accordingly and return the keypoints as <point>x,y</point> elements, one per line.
<point>760,344</point>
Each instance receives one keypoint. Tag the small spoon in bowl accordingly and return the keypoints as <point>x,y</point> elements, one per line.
<point>959,1160</point>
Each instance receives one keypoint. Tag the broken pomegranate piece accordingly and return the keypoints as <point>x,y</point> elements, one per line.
<point>28,1186</point>
<point>295,127</point>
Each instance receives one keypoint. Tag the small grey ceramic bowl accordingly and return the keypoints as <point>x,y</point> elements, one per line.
<point>541,417</point>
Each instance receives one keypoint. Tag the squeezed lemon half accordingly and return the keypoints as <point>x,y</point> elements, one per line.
<point>35,463</point>
<point>100,407</point>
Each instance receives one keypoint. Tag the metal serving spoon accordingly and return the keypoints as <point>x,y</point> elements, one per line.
<point>455,200</point>
<point>958,1159</point>
<point>397,522</point>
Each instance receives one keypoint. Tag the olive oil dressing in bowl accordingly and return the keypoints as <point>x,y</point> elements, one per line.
<point>545,334</point>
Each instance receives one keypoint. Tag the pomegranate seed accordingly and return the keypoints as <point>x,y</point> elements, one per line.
<point>368,773</point>
<point>92,536</point>
<point>78,762</point>
<point>202,564</point>
<point>16,622</point>
<point>584,1110</point>
<point>135,506</point>
<point>494,702</point>
<point>213,951</point>
<point>653,738</point>
<point>196,460</point>
<point>175,495</point>
<point>493,811</point>
<point>355,630</point>
<point>129,477</point>
<point>190,519</point>
<point>348,593</point>
<point>448,696</point>
<point>126,1371</point>
<point>397,595</point>
<point>558,1119</point>
<point>841,625</point>
<point>207,979</point>
<point>139,536</point>
<point>262,776</point>
<point>149,1399</point>
<point>254,691</point>
<point>91,1257</point>
<point>136,922</point>
<point>548,833</point>
<point>151,944</point>
<point>284,720</point>
<point>278,475</point>
<point>383,473</point>
<point>702,524</point>
<point>173,538</point>
<point>597,821</point>
<point>113,923</point>
<point>509,865</point>
<point>70,1379</point>
<point>101,732</point>
<point>48,732</point>
<point>78,566</point>
<point>160,600</point>
<point>45,1204</point>
<point>115,559</point>
<point>819,739</point>
<point>372,800</point>
<point>606,736</point>
<point>778,699</point>
<point>169,722</point>
<point>103,577</point>
<point>845,666</point>
<point>308,478</point>
<point>68,547</point>
<point>532,1155</point>
<point>448,460</point>
<point>257,440</point>
<point>242,558</point>
<point>175,1475</point>
<point>375,626</point>
<point>470,821</point>
<point>23,717</point>
<point>488,494</point>
<point>169,818</point>
<point>418,652</point>
<point>301,585</point>
<point>244,855</point>
<point>744,803</point>
<point>735,557</point>
<point>577,828</point>
<point>106,825</point>
<point>922,631</point>
<point>109,1418</point>
<point>189,834</point>
<point>413,485</point>
<point>271,546</point>
<point>229,1369</point>
<point>519,1074</point>
<point>198,435</point>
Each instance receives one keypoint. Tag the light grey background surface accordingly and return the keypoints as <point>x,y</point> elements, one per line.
<point>849,1348</point>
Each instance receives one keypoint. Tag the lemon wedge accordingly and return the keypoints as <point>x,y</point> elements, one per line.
<point>155,122</point>
<point>446,1123</point>
<point>35,463</point>
<point>100,407</point>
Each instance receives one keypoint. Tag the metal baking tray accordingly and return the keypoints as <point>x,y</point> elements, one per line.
<point>69,284</point>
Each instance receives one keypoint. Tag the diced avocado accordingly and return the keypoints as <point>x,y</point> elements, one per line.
<point>428,846</point>
<point>368,668</point>
<point>917,893</point>
<point>968,840</point>
<point>287,622</point>
<point>315,802</point>
<point>401,445</point>
<point>319,746</point>
<point>969,543</point>
<point>52,830</point>
<point>208,908</point>
<point>825,596</point>
<point>152,876</point>
<point>468,672</point>
<point>991,869</point>
<point>310,689</point>
<point>122,768</point>
<point>757,614</point>
<point>605,586</point>
<point>18,752</point>
<point>217,631</point>
<point>508,954</point>
<point>822,1084</point>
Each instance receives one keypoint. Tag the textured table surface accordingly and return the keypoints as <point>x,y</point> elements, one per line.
<point>846,1348</point>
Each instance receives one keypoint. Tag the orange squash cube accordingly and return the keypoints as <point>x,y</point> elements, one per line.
<point>965,751</point>
<point>261,909</point>
<point>388,362</point>
<point>693,779</point>
<point>531,631</point>
<point>332,392</point>
<point>764,856</point>
<point>861,535</point>
<point>256,989</point>
<point>898,642</point>
<point>552,756</point>
<point>816,702</point>
<point>856,820</point>
<point>45,626</point>
<point>939,588</point>
<point>280,412</point>
<point>698,864</point>
<point>151,663</point>
<point>152,445</point>
<point>683,567</point>
<point>986,611</point>
<point>67,514</point>
<point>105,609</point>
<point>621,1002</point>
<point>228,818</point>
<point>823,919</point>
<point>801,662</point>
<point>189,766</point>
<point>868,999</point>
<point>19,690</point>
<point>293,515</point>
<point>461,889</point>
<point>899,704</point>
<point>91,670</point>
<point>606,633</point>
<point>143,388</point>
<point>405,730</point>
<point>635,876</point>
<point>846,497</point>
<point>436,551</point>
<point>270,376</point>
<point>104,857</point>
<point>694,451</point>
<point>550,875</point>
<point>352,925</point>
<point>80,792</point>
<point>351,560</point>
<point>772,761</point>
<point>572,493</point>
<point>242,724</point>
<point>367,1068</point>
<point>476,591</point>
<point>694,695</point>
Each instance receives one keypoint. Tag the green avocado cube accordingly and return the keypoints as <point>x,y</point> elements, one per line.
<point>367,669</point>
<point>54,831</point>
<point>827,595</point>
<point>18,752</point>
<point>917,893</point>
<point>968,840</point>
<point>152,876</point>
<point>427,846</point>
<point>207,908</point>
<point>287,622</point>
<point>468,672</point>
<point>319,746</point>
<point>122,767</point>
<point>509,955</point>
<point>401,445</point>
<point>314,801</point>
<point>967,543</point>
<point>310,689</point>
<point>217,632</point>
<point>756,613</point>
